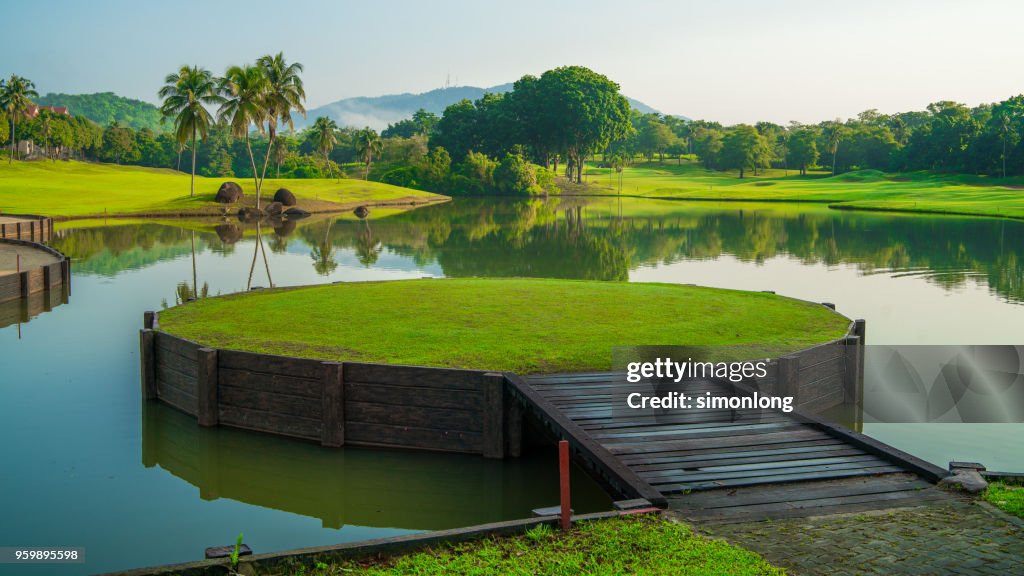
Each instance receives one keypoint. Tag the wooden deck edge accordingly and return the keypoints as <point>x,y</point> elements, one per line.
<point>622,478</point>
<point>365,548</point>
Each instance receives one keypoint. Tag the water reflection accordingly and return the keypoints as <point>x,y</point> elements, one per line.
<point>378,488</point>
<point>594,239</point>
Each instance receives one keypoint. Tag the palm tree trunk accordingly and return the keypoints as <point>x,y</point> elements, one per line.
<point>266,160</point>
<point>835,151</point>
<point>193,193</point>
<point>252,159</point>
<point>14,132</point>
<point>195,288</point>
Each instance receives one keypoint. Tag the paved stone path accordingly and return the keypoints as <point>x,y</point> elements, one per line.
<point>949,537</point>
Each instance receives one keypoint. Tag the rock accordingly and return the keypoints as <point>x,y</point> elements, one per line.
<point>285,229</point>
<point>249,214</point>
<point>296,213</point>
<point>284,196</point>
<point>273,209</point>
<point>361,212</point>
<point>964,480</point>
<point>228,193</point>
<point>229,233</point>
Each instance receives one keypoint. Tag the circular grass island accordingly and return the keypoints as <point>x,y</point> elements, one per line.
<point>503,324</point>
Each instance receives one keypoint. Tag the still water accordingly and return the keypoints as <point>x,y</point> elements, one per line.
<point>85,464</point>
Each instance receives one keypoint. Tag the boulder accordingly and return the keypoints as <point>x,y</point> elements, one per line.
<point>285,197</point>
<point>361,212</point>
<point>229,233</point>
<point>295,213</point>
<point>249,214</point>
<point>228,193</point>
<point>273,209</point>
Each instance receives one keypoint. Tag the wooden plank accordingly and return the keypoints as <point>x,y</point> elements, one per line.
<point>703,432</point>
<point>819,354</point>
<point>175,397</point>
<point>765,457</point>
<point>823,370</point>
<point>829,400</point>
<point>206,387</point>
<point>333,405</point>
<point>175,345</point>
<point>418,376</point>
<point>279,383</point>
<point>684,456</point>
<point>513,426</point>
<point>270,364</point>
<point>860,466</point>
<point>731,469</point>
<point>187,383</point>
<point>409,396</point>
<point>853,385</point>
<point>147,361</point>
<point>787,369</point>
<point>713,499</point>
<point>838,505</point>
<point>739,440</point>
<point>795,477</point>
<point>418,416</point>
<point>603,464</point>
<point>169,361</point>
<point>493,416</point>
<point>373,434</point>
<point>282,404</point>
<point>262,421</point>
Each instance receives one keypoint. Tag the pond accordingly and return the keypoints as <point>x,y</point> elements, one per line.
<point>87,465</point>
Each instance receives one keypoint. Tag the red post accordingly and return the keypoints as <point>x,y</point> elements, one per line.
<point>563,480</point>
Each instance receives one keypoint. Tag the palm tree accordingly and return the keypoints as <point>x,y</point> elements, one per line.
<point>244,90</point>
<point>325,132</point>
<point>15,96</point>
<point>284,94</point>
<point>368,144</point>
<point>186,95</point>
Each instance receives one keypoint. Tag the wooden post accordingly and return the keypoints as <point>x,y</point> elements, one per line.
<point>786,381</point>
<point>147,319</point>
<point>147,360</point>
<point>17,230</point>
<point>333,431</point>
<point>206,390</point>
<point>860,329</point>
<point>494,415</point>
<point>3,230</point>
<point>32,230</point>
<point>513,427</point>
<point>46,278</point>
<point>23,280</point>
<point>853,380</point>
<point>563,484</point>
<point>67,275</point>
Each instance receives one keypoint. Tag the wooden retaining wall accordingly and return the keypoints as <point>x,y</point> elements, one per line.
<point>334,403</point>
<point>33,228</point>
<point>822,377</point>
<point>52,277</point>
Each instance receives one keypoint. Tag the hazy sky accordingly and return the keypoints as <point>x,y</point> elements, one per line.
<point>732,61</point>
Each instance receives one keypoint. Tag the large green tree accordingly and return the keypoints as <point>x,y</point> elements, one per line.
<point>15,96</point>
<point>743,148</point>
<point>802,148</point>
<point>325,131</point>
<point>186,94</point>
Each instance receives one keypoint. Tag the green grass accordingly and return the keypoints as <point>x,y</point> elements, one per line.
<point>631,545</point>
<point>864,189</point>
<point>78,189</point>
<point>1007,497</point>
<point>520,325</point>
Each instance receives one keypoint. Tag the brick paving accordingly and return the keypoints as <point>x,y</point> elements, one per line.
<point>949,537</point>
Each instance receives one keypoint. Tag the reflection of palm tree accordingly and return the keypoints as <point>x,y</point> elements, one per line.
<point>259,249</point>
<point>323,253</point>
<point>368,248</point>
<point>185,292</point>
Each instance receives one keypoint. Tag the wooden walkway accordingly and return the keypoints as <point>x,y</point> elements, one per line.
<point>723,465</point>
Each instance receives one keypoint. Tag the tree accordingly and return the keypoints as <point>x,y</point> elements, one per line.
<point>744,149</point>
<point>655,138</point>
<point>802,149</point>
<point>325,131</point>
<point>284,95</point>
<point>584,112</point>
<point>185,96</point>
<point>15,96</point>
<point>514,175</point>
<point>119,144</point>
<point>834,133</point>
<point>368,145</point>
<point>243,90</point>
<point>707,143</point>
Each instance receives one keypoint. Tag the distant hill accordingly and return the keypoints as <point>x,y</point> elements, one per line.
<point>105,107</point>
<point>379,111</point>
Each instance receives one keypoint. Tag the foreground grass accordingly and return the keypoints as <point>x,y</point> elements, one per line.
<point>646,546</point>
<point>1007,497</point>
<point>864,189</point>
<point>520,325</point>
<point>79,189</point>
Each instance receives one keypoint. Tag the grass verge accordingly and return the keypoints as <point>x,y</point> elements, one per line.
<point>926,192</point>
<point>79,189</point>
<point>520,325</point>
<point>630,545</point>
<point>1007,497</point>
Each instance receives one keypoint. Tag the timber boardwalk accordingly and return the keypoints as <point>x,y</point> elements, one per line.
<point>732,466</point>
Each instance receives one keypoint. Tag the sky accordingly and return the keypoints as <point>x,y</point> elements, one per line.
<point>727,60</point>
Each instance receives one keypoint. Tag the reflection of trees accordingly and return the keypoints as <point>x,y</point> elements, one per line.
<point>323,251</point>
<point>368,248</point>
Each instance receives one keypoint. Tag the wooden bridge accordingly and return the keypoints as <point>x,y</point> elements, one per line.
<point>723,465</point>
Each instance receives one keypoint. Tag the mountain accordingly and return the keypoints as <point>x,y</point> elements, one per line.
<point>106,107</point>
<point>379,111</point>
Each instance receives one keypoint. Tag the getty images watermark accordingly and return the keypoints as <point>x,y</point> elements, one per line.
<point>673,371</point>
